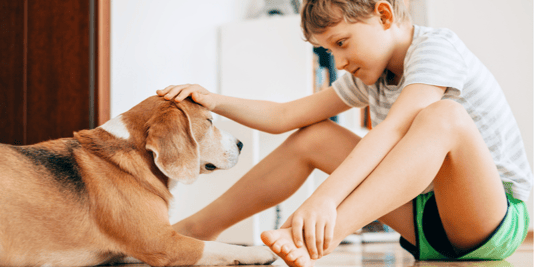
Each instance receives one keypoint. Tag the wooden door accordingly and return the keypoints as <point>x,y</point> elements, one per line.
<point>54,68</point>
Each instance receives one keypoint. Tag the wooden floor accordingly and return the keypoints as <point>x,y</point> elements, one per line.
<point>391,254</point>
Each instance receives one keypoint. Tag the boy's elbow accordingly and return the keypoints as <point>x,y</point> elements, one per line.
<point>276,130</point>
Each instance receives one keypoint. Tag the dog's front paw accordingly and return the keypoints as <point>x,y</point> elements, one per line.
<point>261,255</point>
<point>216,253</point>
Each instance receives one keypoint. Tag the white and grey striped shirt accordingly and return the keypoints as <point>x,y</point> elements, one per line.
<point>438,57</point>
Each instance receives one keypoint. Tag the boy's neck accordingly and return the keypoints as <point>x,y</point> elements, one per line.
<point>403,42</point>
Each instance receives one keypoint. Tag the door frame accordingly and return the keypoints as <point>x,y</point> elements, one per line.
<point>102,59</point>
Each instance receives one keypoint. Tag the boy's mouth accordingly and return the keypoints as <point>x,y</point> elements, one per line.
<point>355,72</point>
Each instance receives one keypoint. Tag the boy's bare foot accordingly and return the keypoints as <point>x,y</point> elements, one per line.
<point>189,229</point>
<point>281,242</point>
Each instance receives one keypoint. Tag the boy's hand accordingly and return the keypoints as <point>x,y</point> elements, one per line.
<point>316,222</point>
<point>198,93</point>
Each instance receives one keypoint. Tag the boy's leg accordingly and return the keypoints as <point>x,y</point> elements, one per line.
<point>323,145</point>
<point>443,145</point>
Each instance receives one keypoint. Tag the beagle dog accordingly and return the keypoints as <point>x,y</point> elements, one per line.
<point>102,197</point>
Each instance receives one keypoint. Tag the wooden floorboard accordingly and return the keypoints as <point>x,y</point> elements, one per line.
<point>391,254</point>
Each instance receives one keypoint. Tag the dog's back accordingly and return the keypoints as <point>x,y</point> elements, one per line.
<point>44,208</point>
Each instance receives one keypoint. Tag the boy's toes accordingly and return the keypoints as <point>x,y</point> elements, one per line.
<point>293,256</point>
<point>278,246</point>
<point>269,237</point>
<point>286,248</point>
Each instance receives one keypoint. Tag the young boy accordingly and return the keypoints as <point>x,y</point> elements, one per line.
<point>444,164</point>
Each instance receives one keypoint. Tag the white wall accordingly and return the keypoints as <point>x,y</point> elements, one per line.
<point>500,33</point>
<point>156,43</point>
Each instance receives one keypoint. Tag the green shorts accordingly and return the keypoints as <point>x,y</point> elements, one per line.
<point>432,242</point>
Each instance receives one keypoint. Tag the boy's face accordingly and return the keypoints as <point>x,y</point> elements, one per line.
<point>362,48</point>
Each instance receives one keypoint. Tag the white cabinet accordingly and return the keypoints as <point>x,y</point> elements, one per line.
<point>265,59</point>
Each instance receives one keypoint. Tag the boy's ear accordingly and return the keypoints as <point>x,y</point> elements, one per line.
<point>385,12</point>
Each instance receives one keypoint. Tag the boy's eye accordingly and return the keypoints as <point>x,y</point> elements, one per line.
<point>340,43</point>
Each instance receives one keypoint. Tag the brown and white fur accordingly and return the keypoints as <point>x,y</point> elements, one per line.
<point>103,196</point>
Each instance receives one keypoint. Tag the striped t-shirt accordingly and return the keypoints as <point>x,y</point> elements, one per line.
<point>438,57</point>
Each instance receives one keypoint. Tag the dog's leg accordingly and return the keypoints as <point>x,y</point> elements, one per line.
<point>172,249</point>
<point>216,253</point>
<point>141,230</point>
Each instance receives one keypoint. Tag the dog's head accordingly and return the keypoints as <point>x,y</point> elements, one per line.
<point>181,136</point>
<point>185,142</point>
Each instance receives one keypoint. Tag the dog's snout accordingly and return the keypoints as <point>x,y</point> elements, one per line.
<point>240,145</point>
<point>227,156</point>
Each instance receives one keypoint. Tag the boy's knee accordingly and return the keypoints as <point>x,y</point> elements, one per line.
<point>308,137</point>
<point>444,115</point>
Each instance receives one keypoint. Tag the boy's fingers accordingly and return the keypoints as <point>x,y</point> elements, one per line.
<point>329,235</point>
<point>310,238</point>
<point>176,92</point>
<point>287,223</point>
<point>172,92</point>
<point>320,228</point>
<point>297,232</point>
<point>182,94</point>
<point>169,89</point>
<point>164,91</point>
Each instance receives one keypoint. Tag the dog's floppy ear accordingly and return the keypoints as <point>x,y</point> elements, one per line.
<point>175,150</point>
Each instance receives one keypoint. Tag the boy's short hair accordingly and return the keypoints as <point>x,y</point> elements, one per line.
<point>317,15</point>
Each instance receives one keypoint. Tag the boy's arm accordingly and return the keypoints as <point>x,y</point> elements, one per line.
<point>281,117</point>
<point>371,150</point>
<point>364,158</point>
<point>267,116</point>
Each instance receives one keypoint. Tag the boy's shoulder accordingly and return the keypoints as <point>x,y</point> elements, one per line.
<point>424,34</point>
<point>428,41</point>
<point>436,57</point>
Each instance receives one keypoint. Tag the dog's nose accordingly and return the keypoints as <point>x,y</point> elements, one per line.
<point>240,145</point>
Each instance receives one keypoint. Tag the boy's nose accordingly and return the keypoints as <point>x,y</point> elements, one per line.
<point>340,63</point>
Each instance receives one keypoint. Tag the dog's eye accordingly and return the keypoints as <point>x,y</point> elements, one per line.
<point>210,167</point>
<point>210,120</point>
